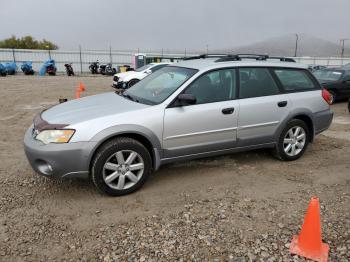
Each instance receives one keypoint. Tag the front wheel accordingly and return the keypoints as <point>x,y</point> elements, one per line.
<point>132,82</point>
<point>293,141</point>
<point>121,166</point>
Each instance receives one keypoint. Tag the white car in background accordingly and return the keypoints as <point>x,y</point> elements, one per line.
<point>127,79</point>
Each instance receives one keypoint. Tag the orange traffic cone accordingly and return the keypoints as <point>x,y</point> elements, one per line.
<point>309,242</point>
<point>80,88</point>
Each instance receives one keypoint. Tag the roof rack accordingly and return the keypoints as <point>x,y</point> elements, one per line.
<point>203,56</point>
<point>239,57</point>
<point>282,59</point>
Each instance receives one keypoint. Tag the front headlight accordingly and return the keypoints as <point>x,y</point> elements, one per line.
<point>55,136</point>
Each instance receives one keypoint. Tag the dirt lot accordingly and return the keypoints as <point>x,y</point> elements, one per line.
<point>240,207</point>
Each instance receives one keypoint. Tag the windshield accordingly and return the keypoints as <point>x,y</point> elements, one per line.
<point>328,75</point>
<point>143,68</point>
<point>157,87</point>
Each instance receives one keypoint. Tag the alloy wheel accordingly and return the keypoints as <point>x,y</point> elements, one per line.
<point>294,141</point>
<point>123,169</point>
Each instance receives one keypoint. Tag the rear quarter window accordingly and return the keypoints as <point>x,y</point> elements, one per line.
<point>295,80</point>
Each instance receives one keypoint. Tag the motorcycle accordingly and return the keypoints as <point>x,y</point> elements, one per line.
<point>69,69</point>
<point>102,69</point>
<point>51,70</point>
<point>94,67</point>
<point>107,69</point>
<point>3,71</point>
<point>11,68</point>
<point>48,68</point>
<point>27,68</point>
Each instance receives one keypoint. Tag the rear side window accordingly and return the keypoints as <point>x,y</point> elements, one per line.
<point>294,80</point>
<point>256,82</point>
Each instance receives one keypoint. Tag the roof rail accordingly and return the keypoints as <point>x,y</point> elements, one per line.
<point>282,58</point>
<point>239,57</point>
<point>203,56</point>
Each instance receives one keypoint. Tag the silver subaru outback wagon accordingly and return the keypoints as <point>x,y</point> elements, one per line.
<point>201,107</point>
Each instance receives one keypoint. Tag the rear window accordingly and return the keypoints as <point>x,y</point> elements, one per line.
<point>294,80</point>
<point>328,75</point>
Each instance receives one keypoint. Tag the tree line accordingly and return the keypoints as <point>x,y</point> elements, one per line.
<point>27,42</point>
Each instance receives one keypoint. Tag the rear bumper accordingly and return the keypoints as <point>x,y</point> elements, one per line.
<point>322,120</point>
<point>58,160</point>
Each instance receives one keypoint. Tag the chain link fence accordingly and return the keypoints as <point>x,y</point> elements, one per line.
<point>81,59</point>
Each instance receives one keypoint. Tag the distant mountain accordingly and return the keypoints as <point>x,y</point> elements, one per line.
<point>285,46</point>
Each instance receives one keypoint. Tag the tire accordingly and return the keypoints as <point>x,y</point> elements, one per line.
<point>109,160</point>
<point>132,82</point>
<point>286,142</point>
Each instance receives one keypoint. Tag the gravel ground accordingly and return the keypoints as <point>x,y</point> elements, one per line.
<point>239,207</point>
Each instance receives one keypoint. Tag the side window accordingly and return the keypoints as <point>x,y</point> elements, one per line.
<point>294,80</point>
<point>214,86</point>
<point>255,82</point>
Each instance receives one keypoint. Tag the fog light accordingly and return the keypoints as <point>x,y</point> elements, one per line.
<point>44,167</point>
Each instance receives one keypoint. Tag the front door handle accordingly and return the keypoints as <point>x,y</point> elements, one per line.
<point>227,111</point>
<point>282,103</point>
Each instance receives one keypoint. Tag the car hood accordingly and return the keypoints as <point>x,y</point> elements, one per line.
<point>129,75</point>
<point>90,107</point>
<point>123,74</point>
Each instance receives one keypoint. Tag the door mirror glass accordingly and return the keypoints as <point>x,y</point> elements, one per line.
<point>186,99</point>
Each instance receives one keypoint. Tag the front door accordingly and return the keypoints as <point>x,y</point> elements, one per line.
<point>210,124</point>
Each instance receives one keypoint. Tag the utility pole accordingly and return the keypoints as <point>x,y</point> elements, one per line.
<point>296,45</point>
<point>81,60</point>
<point>342,43</point>
<point>110,55</point>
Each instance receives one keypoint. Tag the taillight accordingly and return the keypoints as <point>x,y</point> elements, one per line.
<point>327,96</point>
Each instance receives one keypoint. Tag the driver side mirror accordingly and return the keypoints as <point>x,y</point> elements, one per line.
<point>186,99</point>
<point>148,71</point>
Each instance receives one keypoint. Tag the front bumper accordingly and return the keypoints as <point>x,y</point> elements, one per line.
<point>58,160</point>
<point>119,85</point>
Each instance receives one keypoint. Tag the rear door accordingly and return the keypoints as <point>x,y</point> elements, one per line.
<point>208,125</point>
<point>263,106</point>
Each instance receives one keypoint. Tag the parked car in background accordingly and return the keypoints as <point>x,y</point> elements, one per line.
<point>346,66</point>
<point>202,107</point>
<point>336,81</point>
<point>127,79</point>
<point>314,68</point>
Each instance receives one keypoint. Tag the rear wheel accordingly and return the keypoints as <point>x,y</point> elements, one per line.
<point>293,141</point>
<point>121,166</point>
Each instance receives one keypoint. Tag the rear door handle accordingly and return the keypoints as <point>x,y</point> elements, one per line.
<point>282,103</point>
<point>227,111</point>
